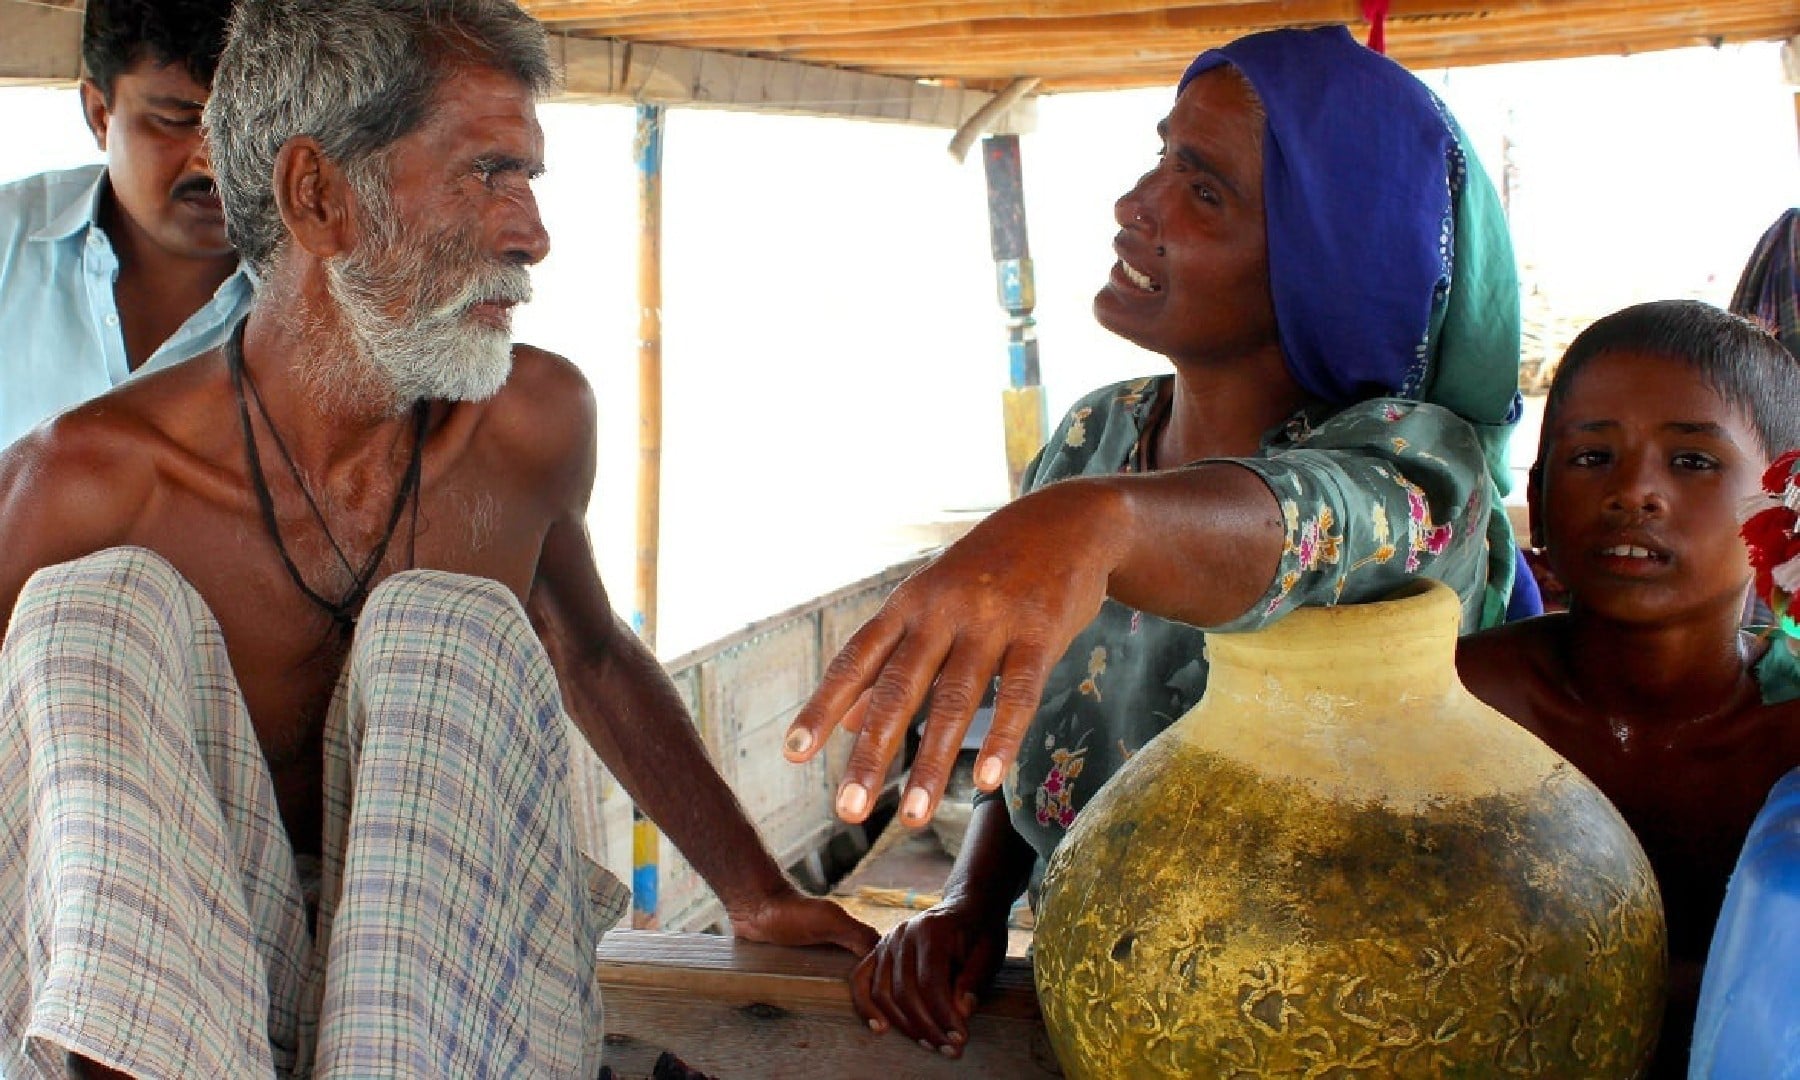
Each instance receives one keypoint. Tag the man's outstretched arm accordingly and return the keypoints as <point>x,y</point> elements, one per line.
<point>620,697</point>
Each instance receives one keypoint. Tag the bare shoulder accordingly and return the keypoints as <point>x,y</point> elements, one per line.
<point>71,487</point>
<point>546,398</point>
<point>89,474</point>
<point>1504,666</point>
<point>540,418</point>
<point>83,463</point>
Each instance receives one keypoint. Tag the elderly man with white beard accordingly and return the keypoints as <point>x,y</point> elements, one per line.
<point>282,728</point>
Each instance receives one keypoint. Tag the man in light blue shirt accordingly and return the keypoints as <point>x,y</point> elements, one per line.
<point>108,270</point>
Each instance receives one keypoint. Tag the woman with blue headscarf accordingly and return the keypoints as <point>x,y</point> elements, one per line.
<point>1326,268</point>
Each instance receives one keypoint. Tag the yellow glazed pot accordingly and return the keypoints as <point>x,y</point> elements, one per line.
<point>1342,864</point>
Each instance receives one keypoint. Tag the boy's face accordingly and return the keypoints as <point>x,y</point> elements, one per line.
<point>1642,473</point>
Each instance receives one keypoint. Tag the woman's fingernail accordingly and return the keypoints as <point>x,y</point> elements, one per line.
<point>915,804</point>
<point>876,1026</point>
<point>987,773</point>
<point>799,741</point>
<point>852,800</point>
<point>958,1038</point>
<point>949,1051</point>
<point>926,1043</point>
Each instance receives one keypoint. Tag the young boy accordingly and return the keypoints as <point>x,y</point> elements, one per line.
<point>1660,422</point>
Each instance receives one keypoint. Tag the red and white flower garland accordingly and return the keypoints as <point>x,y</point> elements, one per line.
<point>1771,532</point>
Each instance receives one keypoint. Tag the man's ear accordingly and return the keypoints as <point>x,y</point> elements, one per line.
<point>314,198</point>
<point>95,111</point>
<point>1534,502</point>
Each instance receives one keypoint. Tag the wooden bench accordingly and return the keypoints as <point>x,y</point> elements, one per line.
<point>737,1010</point>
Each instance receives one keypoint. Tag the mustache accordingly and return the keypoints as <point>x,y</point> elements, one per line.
<point>193,185</point>
<point>486,284</point>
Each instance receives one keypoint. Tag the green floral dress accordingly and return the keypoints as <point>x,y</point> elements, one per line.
<point>1374,495</point>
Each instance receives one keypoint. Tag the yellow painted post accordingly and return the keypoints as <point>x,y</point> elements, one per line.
<point>647,152</point>
<point>1023,406</point>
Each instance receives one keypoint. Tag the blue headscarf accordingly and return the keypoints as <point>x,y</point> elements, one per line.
<point>1390,263</point>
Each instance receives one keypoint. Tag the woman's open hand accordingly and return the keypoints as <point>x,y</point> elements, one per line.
<point>1006,599</point>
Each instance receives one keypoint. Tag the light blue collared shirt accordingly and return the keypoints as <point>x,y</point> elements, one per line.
<point>60,338</point>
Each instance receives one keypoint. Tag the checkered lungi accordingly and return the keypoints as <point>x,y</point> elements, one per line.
<point>151,914</point>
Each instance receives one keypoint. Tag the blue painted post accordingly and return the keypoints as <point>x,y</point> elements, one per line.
<point>647,153</point>
<point>1027,421</point>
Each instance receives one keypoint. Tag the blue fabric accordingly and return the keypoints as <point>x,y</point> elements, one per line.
<point>62,342</point>
<point>1526,600</point>
<point>1362,167</point>
<point>1749,1018</point>
<point>1390,264</point>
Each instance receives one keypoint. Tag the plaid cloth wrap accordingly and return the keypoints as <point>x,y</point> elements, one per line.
<point>150,889</point>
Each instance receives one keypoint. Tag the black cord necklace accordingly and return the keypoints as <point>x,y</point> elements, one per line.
<point>343,612</point>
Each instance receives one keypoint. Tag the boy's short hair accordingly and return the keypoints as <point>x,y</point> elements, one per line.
<point>118,33</point>
<point>1741,361</point>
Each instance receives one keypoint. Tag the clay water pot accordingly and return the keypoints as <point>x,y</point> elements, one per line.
<point>1342,864</point>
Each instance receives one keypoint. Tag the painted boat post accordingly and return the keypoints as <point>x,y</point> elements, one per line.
<point>647,154</point>
<point>1027,421</point>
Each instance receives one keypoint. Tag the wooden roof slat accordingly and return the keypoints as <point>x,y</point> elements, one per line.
<point>1023,55</point>
<point>932,22</point>
<point>840,18</point>
<point>1092,44</point>
<point>914,59</point>
<point>1071,77</point>
<point>1063,74</point>
<point>559,11</point>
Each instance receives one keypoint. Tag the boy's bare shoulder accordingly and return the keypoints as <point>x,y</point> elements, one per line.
<point>1506,666</point>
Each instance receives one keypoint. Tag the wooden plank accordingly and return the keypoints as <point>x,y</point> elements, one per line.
<point>1020,49</point>
<point>1096,47</point>
<point>1087,66</point>
<point>742,1010</point>
<point>881,583</point>
<point>603,810</point>
<point>825,16</point>
<point>753,691</point>
<point>847,24</point>
<point>39,44</point>
<point>781,29</point>
<point>618,71</point>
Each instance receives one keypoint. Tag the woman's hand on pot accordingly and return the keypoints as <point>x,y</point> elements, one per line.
<point>1004,600</point>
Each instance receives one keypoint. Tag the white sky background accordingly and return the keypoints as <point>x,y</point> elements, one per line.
<point>833,350</point>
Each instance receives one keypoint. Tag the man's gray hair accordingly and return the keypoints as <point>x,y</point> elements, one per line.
<point>357,75</point>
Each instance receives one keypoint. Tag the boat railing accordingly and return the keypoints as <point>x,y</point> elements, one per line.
<point>742,691</point>
<point>739,1011</point>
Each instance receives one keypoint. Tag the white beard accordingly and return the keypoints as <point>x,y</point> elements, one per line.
<point>435,351</point>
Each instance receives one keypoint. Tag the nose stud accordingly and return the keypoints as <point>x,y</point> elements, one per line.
<point>1161,251</point>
